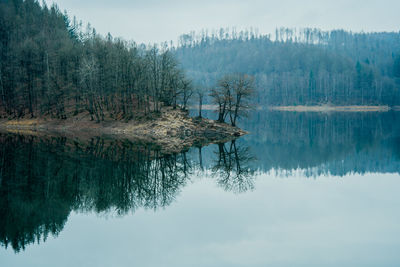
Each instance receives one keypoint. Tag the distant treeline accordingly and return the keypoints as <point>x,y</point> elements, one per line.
<point>306,66</point>
<point>50,66</point>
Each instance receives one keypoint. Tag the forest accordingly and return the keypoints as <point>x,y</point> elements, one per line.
<point>299,67</point>
<point>51,66</point>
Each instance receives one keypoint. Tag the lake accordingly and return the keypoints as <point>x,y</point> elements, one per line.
<point>302,189</point>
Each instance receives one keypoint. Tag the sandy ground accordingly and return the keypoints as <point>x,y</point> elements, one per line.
<point>326,108</point>
<point>316,108</point>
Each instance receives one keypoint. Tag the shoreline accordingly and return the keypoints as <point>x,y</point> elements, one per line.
<point>173,130</point>
<point>326,108</point>
<point>317,108</point>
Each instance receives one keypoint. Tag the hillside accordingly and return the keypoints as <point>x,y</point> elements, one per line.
<point>51,65</point>
<point>307,67</point>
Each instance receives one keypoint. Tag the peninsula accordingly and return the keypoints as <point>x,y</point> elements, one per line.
<point>172,130</point>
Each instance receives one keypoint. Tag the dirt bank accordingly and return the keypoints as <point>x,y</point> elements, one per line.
<point>172,130</point>
<point>327,108</point>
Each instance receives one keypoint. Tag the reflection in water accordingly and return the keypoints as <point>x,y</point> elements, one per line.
<point>232,167</point>
<point>43,179</point>
<point>319,143</point>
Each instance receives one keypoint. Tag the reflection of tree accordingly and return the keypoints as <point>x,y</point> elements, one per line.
<point>42,180</point>
<point>232,167</point>
<point>201,166</point>
<point>32,203</point>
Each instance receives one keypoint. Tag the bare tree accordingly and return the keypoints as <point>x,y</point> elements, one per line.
<point>221,97</point>
<point>200,96</point>
<point>186,92</point>
<point>89,73</point>
<point>232,96</point>
<point>243,90</point>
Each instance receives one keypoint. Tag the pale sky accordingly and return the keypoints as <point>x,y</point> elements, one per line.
<point>149,21</point>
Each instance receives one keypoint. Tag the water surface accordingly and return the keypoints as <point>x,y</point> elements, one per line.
<point>304,189</point>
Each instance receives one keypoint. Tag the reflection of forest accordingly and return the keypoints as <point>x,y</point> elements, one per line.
<point>43,179</point>
<point>338,143</point>
<point>319,143</point>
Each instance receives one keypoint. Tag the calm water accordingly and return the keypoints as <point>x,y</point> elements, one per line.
<point>303,189</point>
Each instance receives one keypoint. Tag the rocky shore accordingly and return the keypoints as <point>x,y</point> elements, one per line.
<point>172,130</point>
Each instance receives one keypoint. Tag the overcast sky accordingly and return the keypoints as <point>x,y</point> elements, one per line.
<point>151,21</point>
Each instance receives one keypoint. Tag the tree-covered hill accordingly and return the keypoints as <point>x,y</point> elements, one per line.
<point>50,66</point>
<point>300,67</point>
